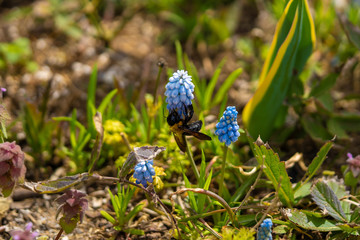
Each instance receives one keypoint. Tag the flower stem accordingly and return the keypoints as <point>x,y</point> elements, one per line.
<point>222,174</point>
<point>59,234</point>
<point>192,162</point>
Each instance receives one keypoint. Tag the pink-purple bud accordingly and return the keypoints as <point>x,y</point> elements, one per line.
<point>24,235</point>
<point>73,205</point>
<point>354,164</point>
<point>12,168</point>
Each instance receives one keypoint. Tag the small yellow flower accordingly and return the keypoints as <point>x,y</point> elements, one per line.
<point>158,183</point>
<point>112,132</point>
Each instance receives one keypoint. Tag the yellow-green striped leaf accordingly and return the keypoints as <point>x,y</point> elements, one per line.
<point>292,44</point>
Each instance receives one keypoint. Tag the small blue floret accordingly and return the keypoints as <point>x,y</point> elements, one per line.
<point>228,129</point>
<point>179,91</point>
<point>144,171</point>
<point>264,231</point>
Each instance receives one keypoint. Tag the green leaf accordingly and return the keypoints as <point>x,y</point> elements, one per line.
<point>350,180</point>
<point>354,229</point>
<point>244,187</point>
<point>211,86</point>
<point>191,194</point>
<point>326,199</point>
<point>274,169</point>
<point>95,153</point>
<point>134,231</point>
<point>224,88</point>
<point>135,211</point>
<point>90,103</point>
<point>69,224</point>
<point>202,183</point>
<point>336,128</point>
<point>58,185</point>
<point>108,217</point>
<point>302,191</point>
<point>314,127</point>
<point>318,161</point>
<point>179,55</point>
<point>352,31</point>
<point>292,44</point>
<point>311,222</point>
<point>107,99</point>
<point>323,86</point>
<point>348,122</point>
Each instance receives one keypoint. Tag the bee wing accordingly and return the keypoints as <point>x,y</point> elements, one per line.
<point>193,130</point>
<point>198,135</point>
<point>180,140</point>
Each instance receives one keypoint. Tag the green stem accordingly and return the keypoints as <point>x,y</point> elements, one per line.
<point>192,162</point>
<point>222,174</point>
<point>161,66</point>
<point>155,98</point>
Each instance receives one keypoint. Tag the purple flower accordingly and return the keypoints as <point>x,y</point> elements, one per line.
<point>12,168</point>
<point>354,164</point>
<point>24,235</point>
<point>3,89</point>
<point>73,205</point>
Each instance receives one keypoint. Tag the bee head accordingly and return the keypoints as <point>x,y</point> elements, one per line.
<point>173,118</point>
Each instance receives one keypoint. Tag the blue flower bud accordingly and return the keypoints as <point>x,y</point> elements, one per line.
<point>179,91</point>
<point>227,128</point>
<point>264,231</point>
<point>143,172</point>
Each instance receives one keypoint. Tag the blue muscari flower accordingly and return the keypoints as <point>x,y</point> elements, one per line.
<point>144,171</point>
<point>228,129</point>
<point>264,231</point>
<point>179,91</point>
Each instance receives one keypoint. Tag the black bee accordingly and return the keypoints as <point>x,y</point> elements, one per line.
<point>180,127</point>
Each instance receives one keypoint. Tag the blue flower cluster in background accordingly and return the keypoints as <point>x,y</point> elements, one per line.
<point>264,231</point>
<point>144,171</point>
<point>228,129</point>
<point>179,91</point>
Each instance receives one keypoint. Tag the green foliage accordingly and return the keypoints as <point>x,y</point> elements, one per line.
<point>317,161</point>
<point>274,170</point>
<point>17,53</point>
<point>308,221</point>
<point>197,23</point>
<point>120,204</point>
<point>293,43</point>
<point>79,138</point>
<point>81,135</point>
<point>326,199</point>
<point>69,224</point>
<point>39,133</point>
<point>235,234</point>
